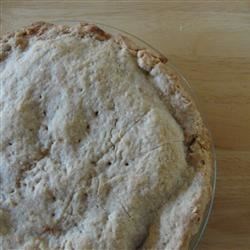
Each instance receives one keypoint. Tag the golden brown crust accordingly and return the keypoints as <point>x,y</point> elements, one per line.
<point>95,31</point>
<point>21,38</point>
<point>124,42</point>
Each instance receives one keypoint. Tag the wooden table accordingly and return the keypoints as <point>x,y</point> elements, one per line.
<point>209,41</point>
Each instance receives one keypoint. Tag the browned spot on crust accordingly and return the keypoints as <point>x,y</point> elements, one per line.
<point>92,30</point>
<point>51,230</point>
<point>21,42</point>
<point>5,48</point>
<point>125,42</point>
<point>147,60</point>
<point>2,55</point>
<point>37,28</point>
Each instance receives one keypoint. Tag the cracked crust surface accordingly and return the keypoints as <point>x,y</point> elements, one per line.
<point>101,147</point>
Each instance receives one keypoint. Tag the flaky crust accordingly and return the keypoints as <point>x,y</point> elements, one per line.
<point>42,30</point>
<point>197,139</point>
<point>170,89</point>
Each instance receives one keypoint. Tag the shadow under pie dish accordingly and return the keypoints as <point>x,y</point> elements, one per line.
<point>101,145</point>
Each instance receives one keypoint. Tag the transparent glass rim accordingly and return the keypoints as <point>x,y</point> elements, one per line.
<point>113,30</point>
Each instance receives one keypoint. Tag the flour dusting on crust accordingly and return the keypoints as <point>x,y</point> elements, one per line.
<point>101,147</point>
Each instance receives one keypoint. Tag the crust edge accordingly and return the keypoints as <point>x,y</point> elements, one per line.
<point>197,139</point>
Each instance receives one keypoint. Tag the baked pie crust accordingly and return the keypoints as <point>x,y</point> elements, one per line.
<point>101,146</point>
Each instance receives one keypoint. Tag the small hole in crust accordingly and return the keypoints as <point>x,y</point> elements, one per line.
<point>96,113</point>
<point>46,127</point>
<point>109,163</point>
<point>79,140</point>
<point>177,86</point>
<point>53,214</point>
<point>14,204</point>
<point>88,127</point>
<point>93,162</point>
<point>126,163</point>
<point>7,47</point>
<point>10,143</point>
<point>37,180</point>
<point>44,113</point>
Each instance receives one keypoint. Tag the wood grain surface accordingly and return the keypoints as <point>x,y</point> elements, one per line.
<point>209,41</point>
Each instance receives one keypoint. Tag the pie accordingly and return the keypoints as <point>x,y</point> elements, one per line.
<point>101,146</point>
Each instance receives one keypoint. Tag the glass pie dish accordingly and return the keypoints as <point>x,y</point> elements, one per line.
<point>187,86</point>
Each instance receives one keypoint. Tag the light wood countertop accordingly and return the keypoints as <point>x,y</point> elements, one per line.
<point>209,42</point>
